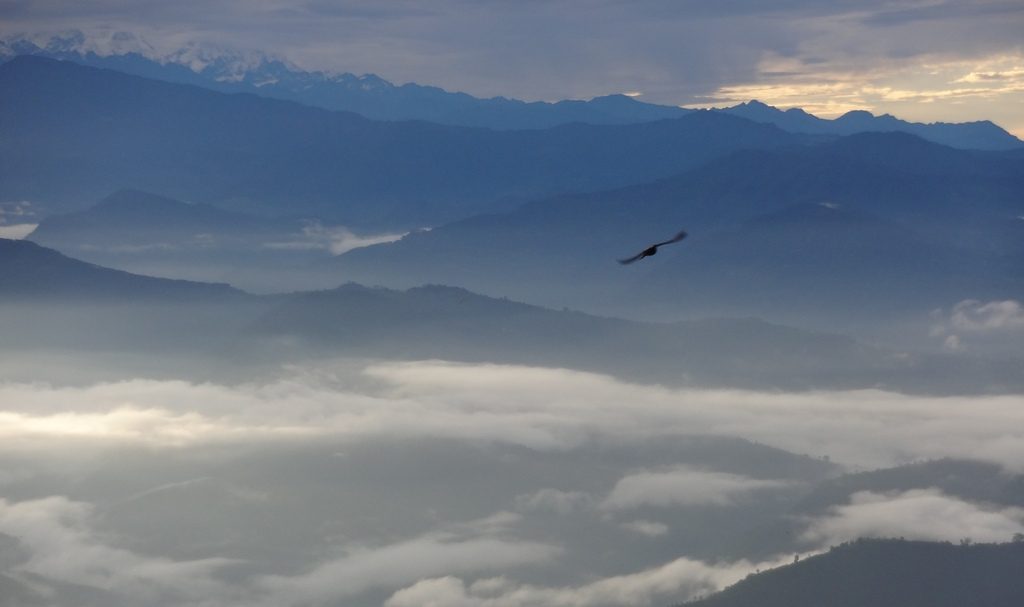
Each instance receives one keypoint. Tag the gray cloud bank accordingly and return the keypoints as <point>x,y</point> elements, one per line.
<point>972,321</point>
<point>975,316</point>
<point>538,408</point>
<point>682,485</point>
<point>920,514</point>
<point>451,485</point>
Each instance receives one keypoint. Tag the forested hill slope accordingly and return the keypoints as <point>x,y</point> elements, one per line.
<point>888,573</point>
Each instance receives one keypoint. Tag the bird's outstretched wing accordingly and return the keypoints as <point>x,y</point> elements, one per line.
<point>632,259</point>
<point>651,250</point>
<point>675,238</point>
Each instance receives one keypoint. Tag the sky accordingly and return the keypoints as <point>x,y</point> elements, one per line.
<point>927,60</point>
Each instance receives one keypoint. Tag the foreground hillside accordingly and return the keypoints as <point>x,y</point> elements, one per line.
<point>888,573</point>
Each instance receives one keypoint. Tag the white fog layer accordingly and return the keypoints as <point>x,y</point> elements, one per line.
<point>110,485</point>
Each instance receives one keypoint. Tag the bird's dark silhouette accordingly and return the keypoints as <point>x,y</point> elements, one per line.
<point>653,249</point>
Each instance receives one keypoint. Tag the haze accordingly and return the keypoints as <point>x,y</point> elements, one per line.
<point>276,334</point>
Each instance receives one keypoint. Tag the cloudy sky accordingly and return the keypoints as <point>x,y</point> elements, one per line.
<point>924,60</point>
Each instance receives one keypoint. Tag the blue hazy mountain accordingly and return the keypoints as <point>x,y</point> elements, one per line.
<point>455,324</point>
<point>51,300</point>
<point>63,302</point>
<point>135,218</point>
<point>885,219</point>
<point>145,233</point>
<point>367,94</point>
<point>888,573</point>
<point>452,323</point>
<point>73,134</point>
<point>376,98</point>
<point>980,135</point>
<point>35,273</point>
<point>55,306</point>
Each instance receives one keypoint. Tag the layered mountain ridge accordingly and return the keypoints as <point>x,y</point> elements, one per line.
<point>374,97</point>
<point>73,134</point>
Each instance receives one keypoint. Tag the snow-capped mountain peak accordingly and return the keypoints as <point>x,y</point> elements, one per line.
<point>76,42</point>
<point>224,64</point>
<point>213,63</point>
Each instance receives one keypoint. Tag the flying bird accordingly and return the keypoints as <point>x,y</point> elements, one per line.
<point>653,249</point>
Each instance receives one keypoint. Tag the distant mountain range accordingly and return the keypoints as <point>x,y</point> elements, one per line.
<point>808,229</point>
<point>72,134</point>
<point>980,135</point>
<point>887,573</point>
<point>32,273</point>
<point>55,301</point>
<point>129,218</point>
<point>818,232</point>
<point>367,94</point>
<point>376,98</point>
<point>455,324</point>
<point>857,228</point>
<point>149,234</point>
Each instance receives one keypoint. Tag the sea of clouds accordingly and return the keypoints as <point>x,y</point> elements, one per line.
<point>436,483</point>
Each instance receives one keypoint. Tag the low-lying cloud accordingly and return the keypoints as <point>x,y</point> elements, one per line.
<point>400,563</point>
<point>683,486</point>
<point>436,483</point>
<point>677,580</point>
<point>334,239</point>
<point>919,514</point>
<point>555,500</point>
<point>16,231</point>
<point>648,528</point>
<point>538,408</point>
<point>976,316</point>
<point>975,320</point>
<point>60,545</point>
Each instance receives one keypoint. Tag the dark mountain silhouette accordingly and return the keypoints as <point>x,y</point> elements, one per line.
<point>980,135</point>
<point>885,220</point>
<point>837,259</point>
<point>35,273</point>
<point>154,235</point>
<point>372,96</point>
<point>73,134</point>
<point>54,301</point>
<point>132,217</point>
<point>887,573</point>
<point>368,94</point>
<point>455,324</point>
<point>55,306</point>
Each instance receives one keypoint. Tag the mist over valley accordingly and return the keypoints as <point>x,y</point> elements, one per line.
<point>275,335</point>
